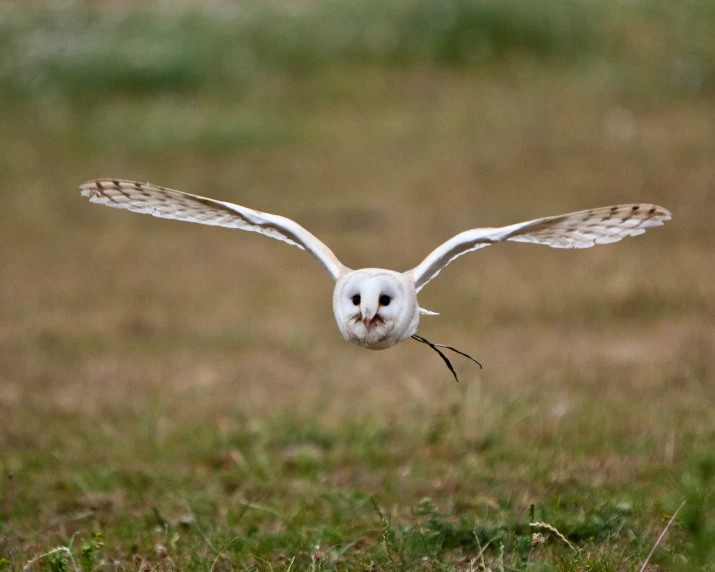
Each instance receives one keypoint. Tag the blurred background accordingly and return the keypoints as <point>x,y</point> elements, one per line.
<point>384,128</point>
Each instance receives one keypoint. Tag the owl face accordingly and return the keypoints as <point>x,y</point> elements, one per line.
<point>376,308</point>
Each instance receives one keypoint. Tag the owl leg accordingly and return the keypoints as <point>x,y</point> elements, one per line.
<point>436,347</point>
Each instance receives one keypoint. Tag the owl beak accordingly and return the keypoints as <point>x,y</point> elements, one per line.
<point>369,315</point>
<point>369,322</point>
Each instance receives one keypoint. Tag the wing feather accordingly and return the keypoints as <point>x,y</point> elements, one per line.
<point>582,229</point>
<point>145,198</point>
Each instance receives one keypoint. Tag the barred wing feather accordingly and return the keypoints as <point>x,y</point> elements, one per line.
<point>582,229</point>
<point>161,202</point>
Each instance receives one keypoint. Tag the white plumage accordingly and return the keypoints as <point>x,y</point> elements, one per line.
<point>377,308</point>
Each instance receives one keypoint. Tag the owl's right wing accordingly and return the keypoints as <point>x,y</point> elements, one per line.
<point>582,229</point>
<point>145,198</point>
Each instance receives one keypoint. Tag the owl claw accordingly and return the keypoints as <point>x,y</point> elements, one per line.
<point>436,347</point>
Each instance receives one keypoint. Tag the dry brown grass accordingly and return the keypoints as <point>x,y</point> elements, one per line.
<point>598,364</point>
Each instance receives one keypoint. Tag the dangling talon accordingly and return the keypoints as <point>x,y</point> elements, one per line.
<point>436,347</point>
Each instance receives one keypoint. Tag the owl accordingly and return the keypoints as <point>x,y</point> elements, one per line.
<point>377,308</point>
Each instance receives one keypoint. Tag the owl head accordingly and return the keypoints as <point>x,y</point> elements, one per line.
<point>376,308</point>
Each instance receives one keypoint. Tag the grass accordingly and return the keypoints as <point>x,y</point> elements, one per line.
<point>178,398</point>
<point>86,51</point>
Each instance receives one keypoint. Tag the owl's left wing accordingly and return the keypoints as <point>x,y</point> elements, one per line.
<point>582,229</point>
<point>161,202</point>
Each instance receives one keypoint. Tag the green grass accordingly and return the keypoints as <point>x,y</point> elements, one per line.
<point>268,493</point>
<point>82,52</point>
<point>175,397</point>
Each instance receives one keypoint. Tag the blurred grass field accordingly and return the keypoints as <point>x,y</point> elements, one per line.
<point>183,391</point>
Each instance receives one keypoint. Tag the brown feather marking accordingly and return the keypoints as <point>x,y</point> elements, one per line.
<point>634,210</point>
<point>119,189</point>
<point>212,206</point>
<point>106,196</point>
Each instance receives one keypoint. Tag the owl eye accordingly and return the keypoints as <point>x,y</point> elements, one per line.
<point>356,299</point>
<point>384,300</point>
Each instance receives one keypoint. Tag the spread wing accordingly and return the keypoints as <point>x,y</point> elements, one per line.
<point>161,202</point>
<point>582,229</point>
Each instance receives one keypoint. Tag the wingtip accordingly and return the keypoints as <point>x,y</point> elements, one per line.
<point>661,216</point>
<point>87,189</point>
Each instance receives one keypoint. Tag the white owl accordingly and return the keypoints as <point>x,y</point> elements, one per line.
<point>377,308</point>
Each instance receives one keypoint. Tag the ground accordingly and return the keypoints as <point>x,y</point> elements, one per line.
<point>179,397</point>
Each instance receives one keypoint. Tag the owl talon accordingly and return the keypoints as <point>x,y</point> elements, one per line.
<point>436,347</point>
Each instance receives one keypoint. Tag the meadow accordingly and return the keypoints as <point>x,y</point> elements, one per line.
<point>178,397</point>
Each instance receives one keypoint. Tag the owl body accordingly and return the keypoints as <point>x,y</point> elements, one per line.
<point>376,308</point>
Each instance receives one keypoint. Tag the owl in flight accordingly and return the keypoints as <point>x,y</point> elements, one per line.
<point>377,308</point>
